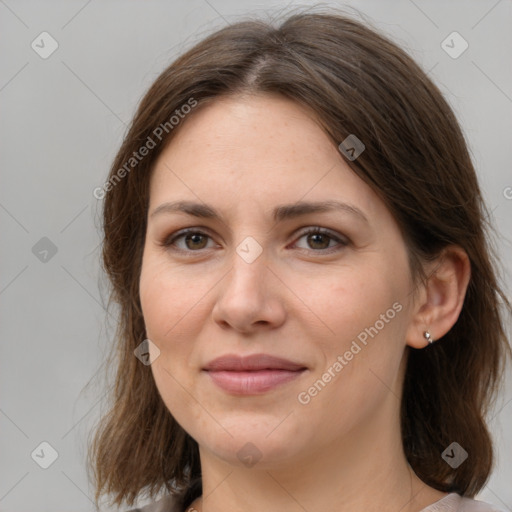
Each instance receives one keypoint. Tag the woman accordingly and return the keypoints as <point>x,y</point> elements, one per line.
<point>310,313</point>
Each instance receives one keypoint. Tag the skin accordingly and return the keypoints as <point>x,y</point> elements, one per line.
<point>342,451</point>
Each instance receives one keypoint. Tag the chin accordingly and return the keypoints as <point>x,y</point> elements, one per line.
<point>248,446</point>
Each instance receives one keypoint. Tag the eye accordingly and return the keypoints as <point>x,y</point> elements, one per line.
<point>190,240</point>
<point>320,239</point>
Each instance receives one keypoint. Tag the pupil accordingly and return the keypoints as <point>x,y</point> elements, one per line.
<point>315,239</point>
<point>196,238</point>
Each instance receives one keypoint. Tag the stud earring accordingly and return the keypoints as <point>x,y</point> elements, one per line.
<point>428,337</point>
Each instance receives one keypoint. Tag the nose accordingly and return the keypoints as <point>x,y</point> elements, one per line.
<point>250,297</point>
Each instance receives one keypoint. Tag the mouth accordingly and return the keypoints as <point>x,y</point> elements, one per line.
<point>252,375</point>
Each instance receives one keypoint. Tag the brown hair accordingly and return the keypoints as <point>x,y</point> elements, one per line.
<point>358,82</point>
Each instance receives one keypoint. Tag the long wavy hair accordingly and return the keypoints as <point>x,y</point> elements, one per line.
<point>356,81</point>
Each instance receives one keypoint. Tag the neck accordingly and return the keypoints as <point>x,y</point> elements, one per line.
<point>365,471</point>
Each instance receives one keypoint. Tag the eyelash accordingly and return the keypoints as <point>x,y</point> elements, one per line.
<point>169,241</point>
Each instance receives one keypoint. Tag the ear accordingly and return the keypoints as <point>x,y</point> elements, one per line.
<point>441,297</point>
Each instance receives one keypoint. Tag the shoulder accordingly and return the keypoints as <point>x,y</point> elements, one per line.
<point>166,504</point>
<point>470,505</point>
<point>454,502</point>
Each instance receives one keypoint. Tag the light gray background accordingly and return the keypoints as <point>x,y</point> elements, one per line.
<point>62,121</point>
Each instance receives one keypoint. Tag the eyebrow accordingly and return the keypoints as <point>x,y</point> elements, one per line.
<point>280,213</point>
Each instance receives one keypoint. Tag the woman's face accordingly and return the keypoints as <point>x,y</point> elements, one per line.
<point>250,279</point>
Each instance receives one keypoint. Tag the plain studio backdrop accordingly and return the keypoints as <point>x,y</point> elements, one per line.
<point>66,102</point>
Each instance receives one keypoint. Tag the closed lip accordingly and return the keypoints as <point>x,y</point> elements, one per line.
<point>253,362</point>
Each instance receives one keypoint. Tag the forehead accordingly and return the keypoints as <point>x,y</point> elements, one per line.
<point>258,148</point>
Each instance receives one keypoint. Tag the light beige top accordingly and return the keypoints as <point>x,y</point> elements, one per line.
<point>450,503</point>
<point>454,502</point>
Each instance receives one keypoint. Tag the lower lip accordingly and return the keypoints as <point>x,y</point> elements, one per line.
<point>252,382</point>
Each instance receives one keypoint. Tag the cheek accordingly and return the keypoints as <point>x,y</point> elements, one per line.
<point>351,299</point>
<point>173,316</point>
<point>366,315</point>
<point>170,323</point>
<point>167,300</point>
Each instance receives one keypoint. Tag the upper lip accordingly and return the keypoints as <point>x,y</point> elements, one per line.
<point>233,362</point>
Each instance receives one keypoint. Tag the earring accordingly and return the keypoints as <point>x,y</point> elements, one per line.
<point>428,337</point>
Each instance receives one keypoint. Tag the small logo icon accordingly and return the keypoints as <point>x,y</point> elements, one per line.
<point>44,250</point>
<point>249,249</point>
<point>351,147</point>
<point>147,352</point>
<point>249,454</point>
<point>44,455</point>
<point>454,45</point>
<point>44,45</point>
<point>454,455</point>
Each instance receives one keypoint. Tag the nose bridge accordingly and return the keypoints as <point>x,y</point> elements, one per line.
<point>248,271</point>
<point>248,259</point>
<point>247,297</point>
